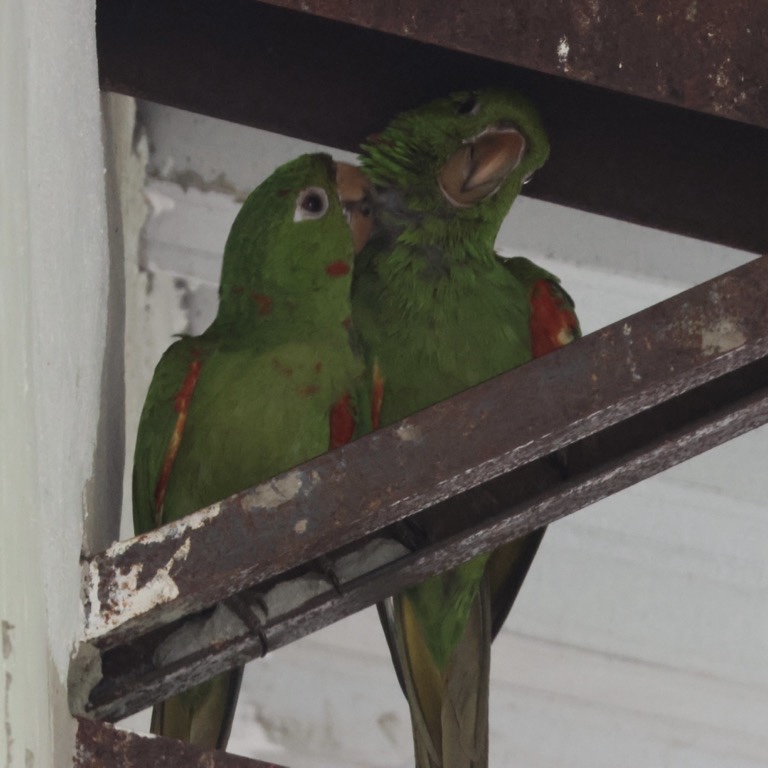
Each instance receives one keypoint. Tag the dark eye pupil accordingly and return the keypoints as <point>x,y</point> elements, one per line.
<point>312,203</point>
<point>467,105</point>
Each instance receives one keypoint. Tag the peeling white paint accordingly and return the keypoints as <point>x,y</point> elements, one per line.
<point>168,168</point>
<point>127,599</point>
<point>722,337</point>
<point>160,203</point>
<point>281,489</point>
<point>626,330</point>
<point>408,433</point>
<point>563,49</point>
<point>175,530</point>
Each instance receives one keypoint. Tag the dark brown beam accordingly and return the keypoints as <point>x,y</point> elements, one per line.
<point>620,405</point>
<point>102,746</point>
<point>701,54</point>
<point>335,83</point>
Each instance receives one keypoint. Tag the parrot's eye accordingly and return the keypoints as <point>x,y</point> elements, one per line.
<point>469,106</point>
<point>312,203</point>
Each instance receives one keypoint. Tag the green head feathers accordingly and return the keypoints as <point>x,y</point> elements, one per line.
<point>470,150</point>
<point>293,239</point>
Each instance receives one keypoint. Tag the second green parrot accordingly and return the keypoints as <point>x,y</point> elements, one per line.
<point>271,383</point>
<point>440,312</point>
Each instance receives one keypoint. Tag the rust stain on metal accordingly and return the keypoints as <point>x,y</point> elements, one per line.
<point>704,55</point>
<point>103,746</point>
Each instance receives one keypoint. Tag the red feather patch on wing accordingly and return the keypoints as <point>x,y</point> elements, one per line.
<point>553,322</point>
<point>342,422</point>
<point>377,397</point>
<point>181,402</point>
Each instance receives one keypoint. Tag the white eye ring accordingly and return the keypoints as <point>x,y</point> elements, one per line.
<point>312,203</point>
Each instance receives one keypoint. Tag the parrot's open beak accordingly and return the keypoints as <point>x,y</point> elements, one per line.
<point>476,170</point>
<point>355,194</point>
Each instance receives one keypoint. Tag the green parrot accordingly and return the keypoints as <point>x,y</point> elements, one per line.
<point>439,311</point>
<point>274,381</point>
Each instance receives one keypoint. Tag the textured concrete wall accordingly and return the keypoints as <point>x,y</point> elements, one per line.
<point>60,389</point>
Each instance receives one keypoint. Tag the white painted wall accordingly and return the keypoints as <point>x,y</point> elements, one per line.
<point>61,396</point>
<point>641,636</point>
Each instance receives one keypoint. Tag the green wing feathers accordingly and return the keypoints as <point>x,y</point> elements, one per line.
<point>160,419</point>
<point>449,702</point>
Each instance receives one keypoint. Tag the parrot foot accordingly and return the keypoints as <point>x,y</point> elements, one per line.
<point>324,566</point>
<point>241,608</point>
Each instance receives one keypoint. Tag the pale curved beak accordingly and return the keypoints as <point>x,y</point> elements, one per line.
<point>477,169</point>
<point>355,194</point>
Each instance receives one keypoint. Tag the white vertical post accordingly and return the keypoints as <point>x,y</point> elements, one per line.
<point>56,319</point>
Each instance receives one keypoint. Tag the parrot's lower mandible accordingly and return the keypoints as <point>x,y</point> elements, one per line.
<point>439,311</point>
<point>273,382</point>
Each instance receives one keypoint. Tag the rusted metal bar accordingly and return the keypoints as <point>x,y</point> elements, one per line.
<point>704,55</point>
<point>102,746</point>
<point>472,472</point>
<point>613,154</point>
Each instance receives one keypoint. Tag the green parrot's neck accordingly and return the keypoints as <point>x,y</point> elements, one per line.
<point>266,313</point>
<point>431,297</point>
<point>426,239</point>
<point>430,258</point>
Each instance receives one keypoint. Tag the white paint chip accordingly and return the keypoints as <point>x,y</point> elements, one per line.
<point>408,433</point>
<point>175,530</point>
<point>722,337</point>
<point>127,599</point>
<point>160,203</point>
<point>301,526</point>
<point>563,49</point>
<point>280,490</point>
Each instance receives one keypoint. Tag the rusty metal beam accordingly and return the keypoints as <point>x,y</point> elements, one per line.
<point>613,154</point>
<point>102,746</point>
<point>704,55</point>
<point>470,473</point>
